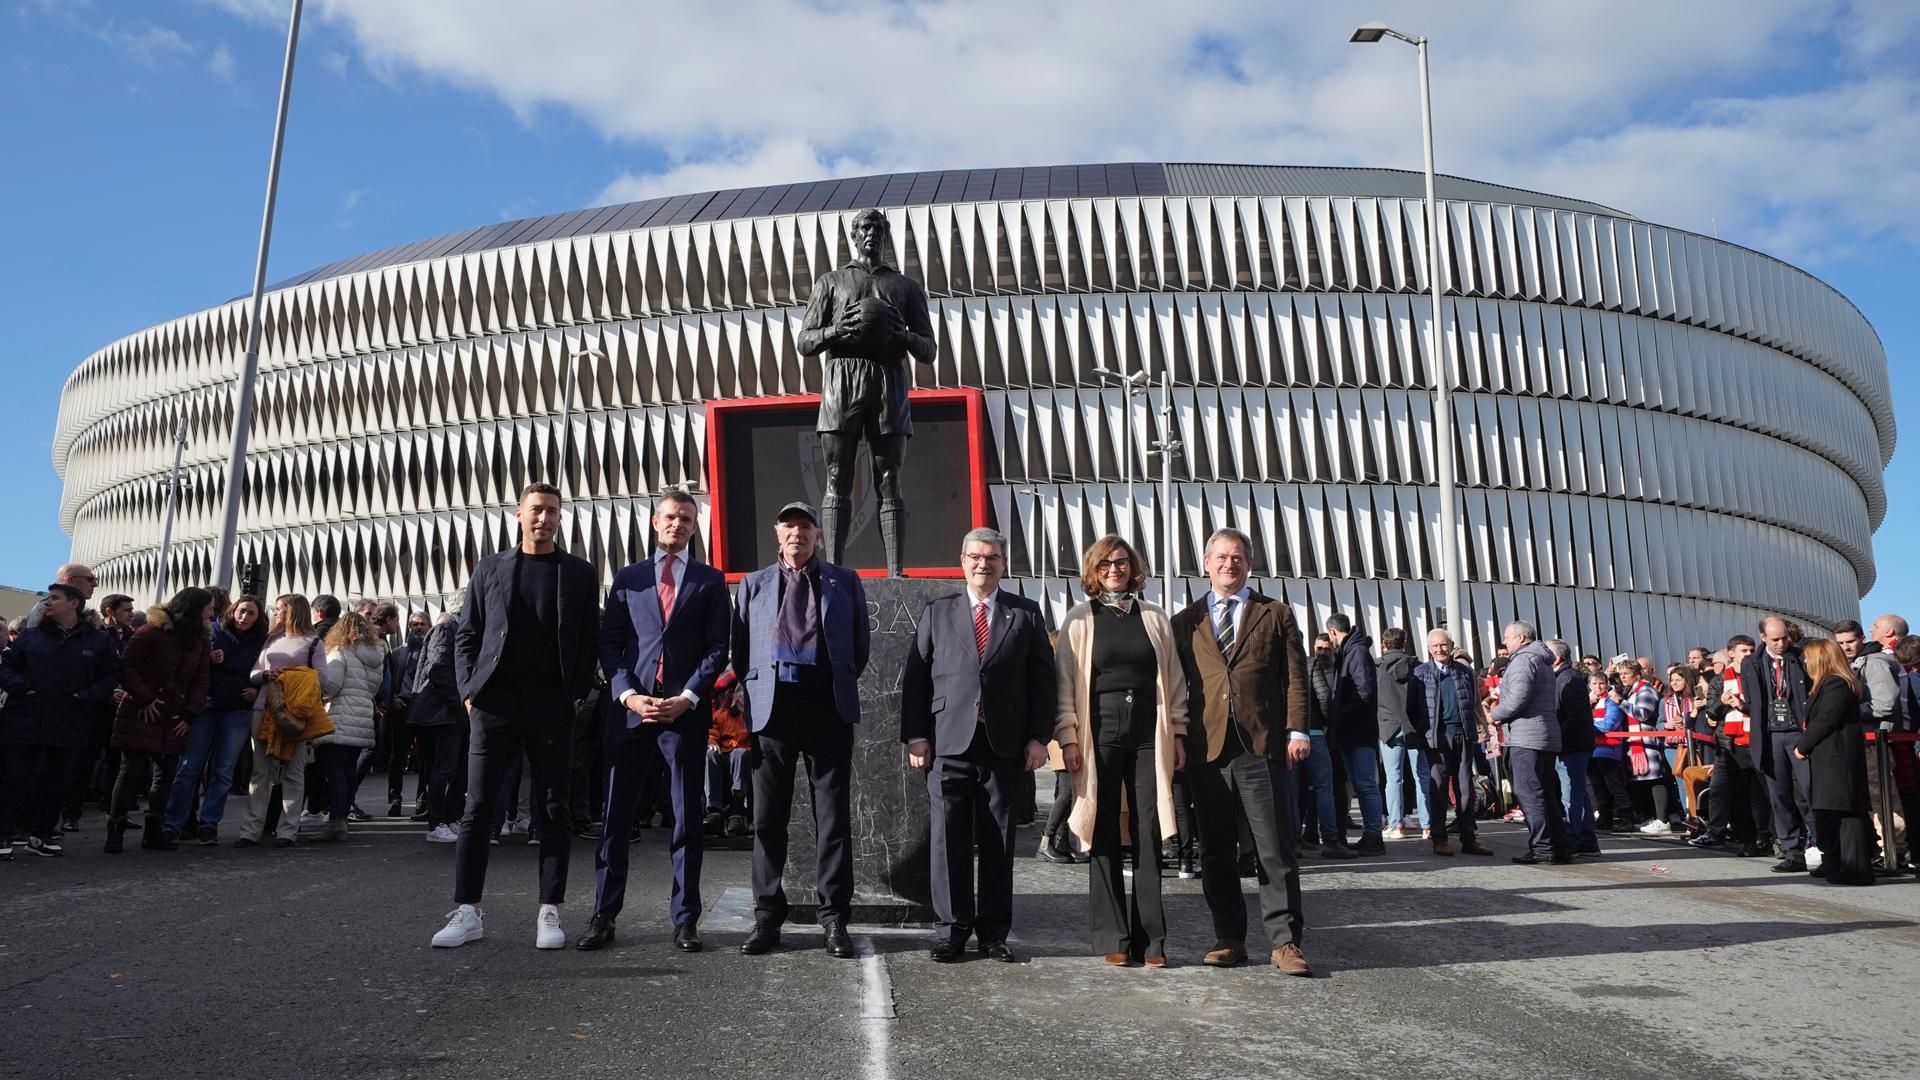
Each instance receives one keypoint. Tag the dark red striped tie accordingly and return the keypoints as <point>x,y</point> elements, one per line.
<point>980,628</point>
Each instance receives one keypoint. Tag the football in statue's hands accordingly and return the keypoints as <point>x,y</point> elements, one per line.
<point>879,322</point>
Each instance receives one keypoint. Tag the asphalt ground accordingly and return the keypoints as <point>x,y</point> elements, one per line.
<point>1656,961</point>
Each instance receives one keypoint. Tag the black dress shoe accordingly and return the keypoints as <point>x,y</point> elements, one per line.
<point>1789,866</point>
<point>839,944</point>
<point>764,939</point>
<point>686,938</point>
<point>599,934</point>
<point>943,952</point>
<point>1050,853</point>
<point>997,950</point>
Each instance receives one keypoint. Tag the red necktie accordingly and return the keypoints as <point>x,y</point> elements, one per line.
<point>980,628</point>
<point>666,609</point>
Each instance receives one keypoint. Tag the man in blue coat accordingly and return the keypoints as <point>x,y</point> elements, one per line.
<point>663,642</point>
<point>800,637</point>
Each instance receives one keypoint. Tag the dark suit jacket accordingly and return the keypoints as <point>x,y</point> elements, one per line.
<point>1836,751</point>
<point>948,687</point>
<point>483,623</point>
<point>1262,681</point>
<point>1756,682</point>
<point>843,622</point>
<point>693,640</point>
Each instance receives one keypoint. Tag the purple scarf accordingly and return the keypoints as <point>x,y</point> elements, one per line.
<point>796,637</point>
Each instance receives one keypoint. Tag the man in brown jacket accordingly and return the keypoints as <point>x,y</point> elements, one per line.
<point>1247,726</point>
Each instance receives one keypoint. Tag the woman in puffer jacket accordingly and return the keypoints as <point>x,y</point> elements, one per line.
<point>355,664</point>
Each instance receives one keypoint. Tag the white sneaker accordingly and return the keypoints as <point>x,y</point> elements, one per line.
<point>312,821</point>
<point>1395,833</point>
<point>442,834</point>
<point>546,929</point>
<point>1656,828</point>
<point>462,926</point>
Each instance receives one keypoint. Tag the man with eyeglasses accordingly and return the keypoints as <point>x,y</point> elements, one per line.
<point>976,710</point>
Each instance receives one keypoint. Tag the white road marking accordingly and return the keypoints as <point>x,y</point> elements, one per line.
<point>876,1009</point>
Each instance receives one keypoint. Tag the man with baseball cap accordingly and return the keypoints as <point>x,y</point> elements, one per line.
<point>799,645</point>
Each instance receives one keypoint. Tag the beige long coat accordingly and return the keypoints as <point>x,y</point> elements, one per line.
<point>1073,724</point>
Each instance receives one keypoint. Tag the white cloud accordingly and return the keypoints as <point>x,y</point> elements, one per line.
<point>220,63</point>
<point>1666,110</point>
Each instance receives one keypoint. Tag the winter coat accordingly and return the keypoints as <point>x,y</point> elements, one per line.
<point>1576,712</point>
<point>1530,700</point>
<point>226,679</point>
<point>1643,714</point>
<point>1606,717</point>
<point>1073,660</point>
<point>355,672</point>
<point>1355,719</point>
<point>56,682</point>
<point>1836,750</point>
<point>161,665</point>
<point>1423,712</point>
<point>436,693</point>
<point>1394,671</point>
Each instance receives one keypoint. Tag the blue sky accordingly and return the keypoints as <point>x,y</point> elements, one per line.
<point>138,133</point>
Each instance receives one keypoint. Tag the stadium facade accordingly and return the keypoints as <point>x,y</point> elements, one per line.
<point>1658,435</point>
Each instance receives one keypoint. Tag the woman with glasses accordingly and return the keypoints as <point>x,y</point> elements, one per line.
<point>1121,728</point>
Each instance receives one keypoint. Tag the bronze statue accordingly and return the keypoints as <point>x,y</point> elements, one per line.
<point>865,319</point>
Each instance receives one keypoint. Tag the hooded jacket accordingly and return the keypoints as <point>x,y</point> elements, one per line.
<point>1355,719</point>
<point>1394,672</point>
<point>161,665</point>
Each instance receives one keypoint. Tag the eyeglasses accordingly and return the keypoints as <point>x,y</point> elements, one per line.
<point>978,560</point>
<point>1114,564</point>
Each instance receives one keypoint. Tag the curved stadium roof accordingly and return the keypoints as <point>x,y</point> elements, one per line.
<point>951,186</point>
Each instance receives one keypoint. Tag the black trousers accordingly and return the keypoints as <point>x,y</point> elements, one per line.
<point>974,788</point>
<point>589,760</point>
<point>1258,794</point>
<point>1607,787</point>
<point>542,728</point>
<point>1786,779</point>
<point>34,782</point>
<point>443,757</point>
<point>396,751</point>
<point>1451,764</point>
<point>1062,806</point>
<point>826,742</point>
<point>1737,796</point>
<point>1537,787</point>
<point>628,756</point>
<point>1139,929</point>
<point>147,775</point>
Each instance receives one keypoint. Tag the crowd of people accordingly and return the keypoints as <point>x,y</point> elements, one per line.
<point>1211,742</point>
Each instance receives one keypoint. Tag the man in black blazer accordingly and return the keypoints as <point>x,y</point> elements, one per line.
<point>800,641</point>
<point>1773,694</point>
<point>663,642</point>
<point>976,711</point>
<point>524,652</point>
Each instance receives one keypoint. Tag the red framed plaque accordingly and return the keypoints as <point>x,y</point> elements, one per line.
<point>763,453</point>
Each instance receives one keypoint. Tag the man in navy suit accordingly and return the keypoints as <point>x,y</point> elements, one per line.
<point>663,642</point>
<point>800,637</point>
<point>976,710</point>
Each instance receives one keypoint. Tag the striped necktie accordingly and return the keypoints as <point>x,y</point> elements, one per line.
<point>980,628</point>
<point>1223,635</point>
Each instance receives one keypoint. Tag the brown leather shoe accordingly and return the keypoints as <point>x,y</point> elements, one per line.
<point>1155,961</point>
<point>1119,959</point>
<point>1441,847</point>
<point>1290,961</point>
<point>1225,953</point>
<point>1475,847</point>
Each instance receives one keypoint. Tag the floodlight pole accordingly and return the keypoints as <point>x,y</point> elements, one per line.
<point>173,501</point>
<point>250,366</point>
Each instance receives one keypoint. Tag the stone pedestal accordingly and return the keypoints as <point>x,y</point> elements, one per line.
<point>892,880</point>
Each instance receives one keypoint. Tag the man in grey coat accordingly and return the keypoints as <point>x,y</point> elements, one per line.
<point>1529,706</point>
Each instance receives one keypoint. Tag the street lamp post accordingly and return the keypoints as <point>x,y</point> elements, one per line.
<point>1443,370</point>
<point>1131,386</point>
<point>1167,447</point>
<point>250,366</point>
<point>173,502</point>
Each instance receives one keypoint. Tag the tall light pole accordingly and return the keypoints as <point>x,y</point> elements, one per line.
<point>173,502</point>
<point>574,358</point>
<point>1167,447</point>
<point>1443,370</point>
<point>250,366</point>
<point>1131,386</point>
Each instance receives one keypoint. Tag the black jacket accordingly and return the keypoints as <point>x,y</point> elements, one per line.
<point>56,683</point>
<point>1756,684</point>
<point>1395,672</point>
<point>1355,719</point>
<point>482,633</point>
<point>1575,711</point>
<point>227,678</point>
<point>1835,749</point>
<point>949,688</point>
<point>436,693</point>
